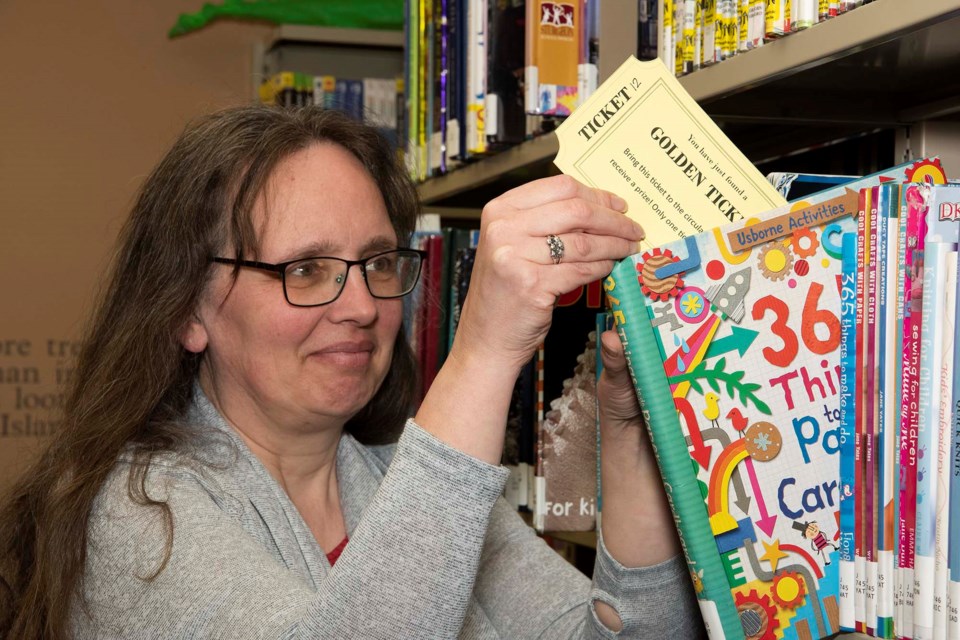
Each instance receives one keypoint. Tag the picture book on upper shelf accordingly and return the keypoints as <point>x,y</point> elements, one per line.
<point>733,337</point>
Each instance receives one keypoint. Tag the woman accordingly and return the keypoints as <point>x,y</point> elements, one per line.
<point>226,436</point>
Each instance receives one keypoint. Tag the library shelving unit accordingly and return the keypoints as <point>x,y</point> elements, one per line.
<point>349,53</point>
<point>881,68</point>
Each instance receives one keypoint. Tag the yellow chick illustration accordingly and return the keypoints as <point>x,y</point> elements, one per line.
<point>712,411</point>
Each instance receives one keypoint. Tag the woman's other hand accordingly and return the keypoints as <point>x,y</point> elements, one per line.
<point>635,506</point>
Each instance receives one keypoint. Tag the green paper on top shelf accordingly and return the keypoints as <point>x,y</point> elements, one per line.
<point>356,14</point>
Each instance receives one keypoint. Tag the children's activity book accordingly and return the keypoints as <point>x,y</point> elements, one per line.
<point>733,340</point>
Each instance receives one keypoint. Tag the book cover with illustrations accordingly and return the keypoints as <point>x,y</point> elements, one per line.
<point>749,345</point>
<point>743,407</point>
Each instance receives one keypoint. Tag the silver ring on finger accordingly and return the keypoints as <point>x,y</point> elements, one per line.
<point>556,248</point>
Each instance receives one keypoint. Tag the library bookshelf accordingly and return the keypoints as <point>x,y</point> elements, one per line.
<point>878,68</point>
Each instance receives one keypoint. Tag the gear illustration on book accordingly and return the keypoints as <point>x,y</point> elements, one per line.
<point>775,261</point>
<point>804,243</point>
<point>762,441</point>
<point>788,589</point>
<point>757,616</point>
<point>655,288</point>
<point>922,169</point>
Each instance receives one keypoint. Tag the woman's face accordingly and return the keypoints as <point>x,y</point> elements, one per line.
<point>302,367</point>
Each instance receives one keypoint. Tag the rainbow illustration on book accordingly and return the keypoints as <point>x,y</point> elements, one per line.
<point>743,407</point>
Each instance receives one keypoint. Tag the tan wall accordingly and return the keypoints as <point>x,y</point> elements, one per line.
<point>93,93</point>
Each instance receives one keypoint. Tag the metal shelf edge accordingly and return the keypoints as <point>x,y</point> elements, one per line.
<point>486,170</point>
<point>336,36</point>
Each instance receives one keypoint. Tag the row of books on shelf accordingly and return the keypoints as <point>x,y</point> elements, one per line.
<point>900,414</point>
<point>379,101</point>
<point>699,33</point>
<point>484,74</point>
<point>804,408</point>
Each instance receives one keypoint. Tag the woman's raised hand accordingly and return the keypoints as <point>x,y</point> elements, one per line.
<point>516,279</point>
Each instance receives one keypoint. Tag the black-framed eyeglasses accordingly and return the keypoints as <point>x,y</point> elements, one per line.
<point>316,281</point>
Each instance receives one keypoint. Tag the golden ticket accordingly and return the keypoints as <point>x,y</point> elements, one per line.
<point>642,136</point>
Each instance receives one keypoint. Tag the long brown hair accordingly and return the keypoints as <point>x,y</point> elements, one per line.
<point>133,378</point>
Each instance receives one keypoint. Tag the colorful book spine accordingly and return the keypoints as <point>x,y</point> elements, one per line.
<point>476,77</point>
<point>923,575</point>
<point>743,24</point>
<point>913,205</point>
<point>870,411</point>
<point>711,52</point>
<point>777,18</point>
<point>424,87</point>
<point>860,563</point>
<point>444,97</point>
<point>888,207</point>
<point>665,44</point>
<point>756,23</point>
<point>690,45</point>
<point>848,349</point>
<point>901,581</point>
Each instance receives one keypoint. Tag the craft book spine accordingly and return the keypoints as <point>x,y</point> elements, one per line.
<point>901,579</point>
<point>870,413</point>
<point>680,479</point>
<point>860,564</point>
<point>913,204</point>
<point>848,312</point>
<point>926,498</point>
<point>888,206</point>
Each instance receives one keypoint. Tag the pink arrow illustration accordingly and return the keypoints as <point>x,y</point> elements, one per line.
<point>766,521</point>
<point>701,452</point>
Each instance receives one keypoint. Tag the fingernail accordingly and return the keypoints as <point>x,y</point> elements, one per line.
<point>619,203</point>
<point>640,232</point>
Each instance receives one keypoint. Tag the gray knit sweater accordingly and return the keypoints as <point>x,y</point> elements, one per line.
<point>433,553</point>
